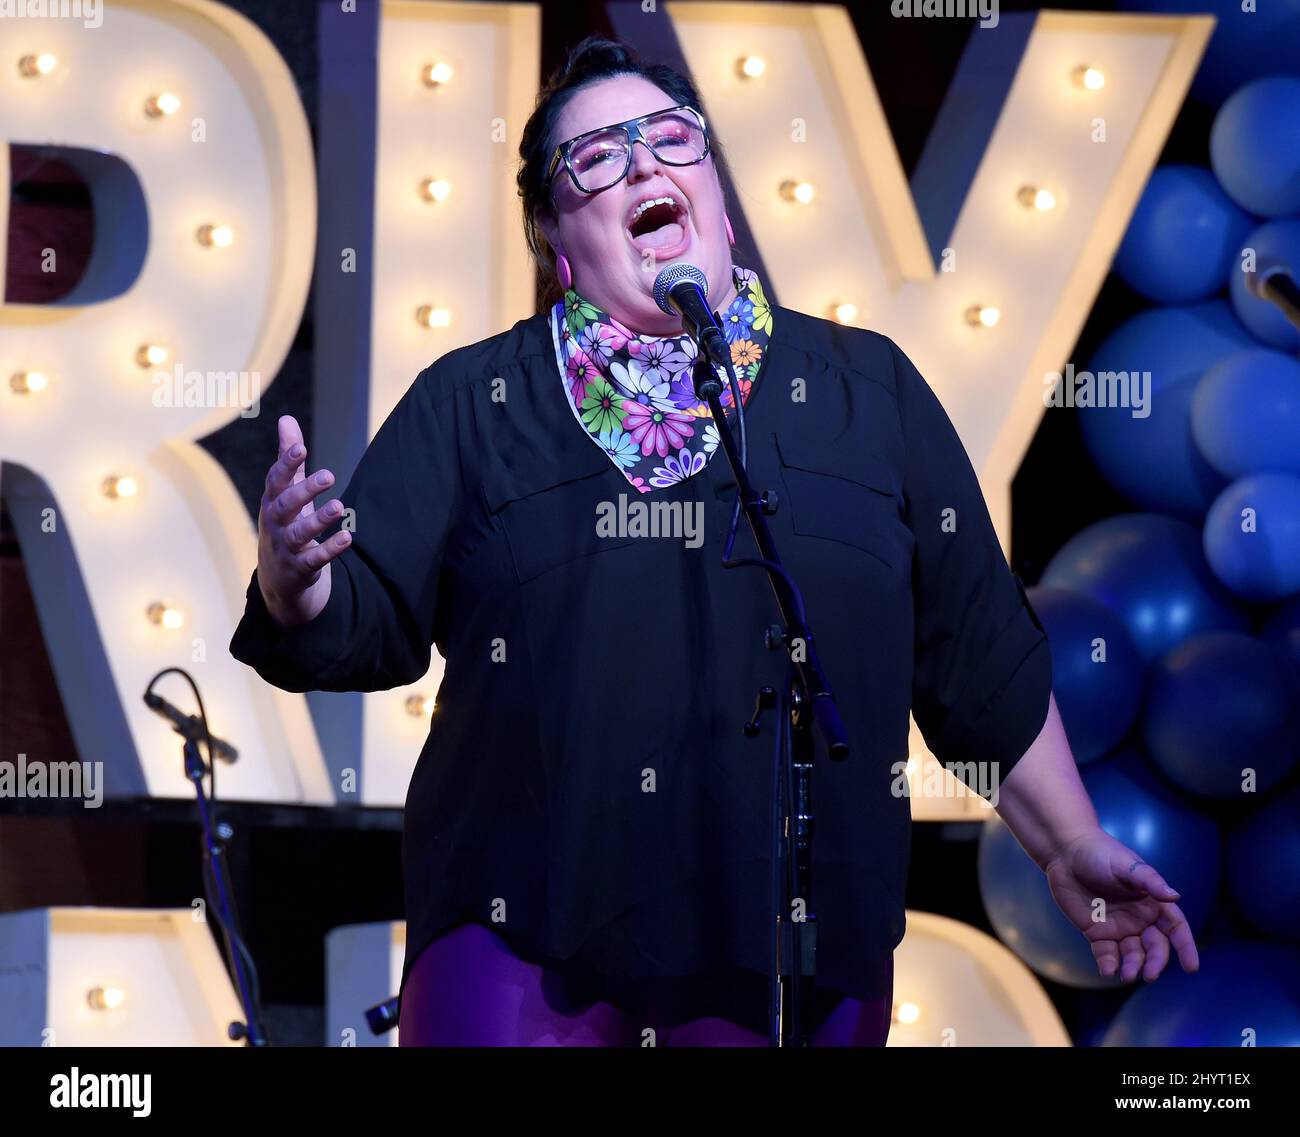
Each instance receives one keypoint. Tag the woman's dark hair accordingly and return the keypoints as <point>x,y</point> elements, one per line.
<point>590,61</point>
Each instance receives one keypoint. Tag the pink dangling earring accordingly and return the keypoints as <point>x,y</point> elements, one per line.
<point>564,272</point>
<point>731,236</point>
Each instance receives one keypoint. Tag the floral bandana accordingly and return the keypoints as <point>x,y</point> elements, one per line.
<point>635,396</point>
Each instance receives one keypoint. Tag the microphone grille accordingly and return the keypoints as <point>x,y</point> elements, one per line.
<point>671,275</point>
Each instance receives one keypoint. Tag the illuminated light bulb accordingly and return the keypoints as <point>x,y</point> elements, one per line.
<point>164,615</point>
<point>28,382</point>
<point>436,74</point>
<point>750,66</point>
<point>105,998</point>
<point>115,486</point>
<point>151,355</point>
<point>432,317</point>
<point>844,313</point>
<point>1089,78</point>
<point>981,315</point>
<point>215,236</point>
<point>802,192</point>
<point>34,66</point>
<point>161,105</point>
<point>1031,197</point>
<point>435,189</point>
<point>420,706</point>
<point>906,1012</point>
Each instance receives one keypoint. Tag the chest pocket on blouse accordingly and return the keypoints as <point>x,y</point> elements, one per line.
<point>548,511</point>
<point>850,496</point>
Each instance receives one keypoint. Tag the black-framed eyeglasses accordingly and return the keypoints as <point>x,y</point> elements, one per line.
<point>598,159</point>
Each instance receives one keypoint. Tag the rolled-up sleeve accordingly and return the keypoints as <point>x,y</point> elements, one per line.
<point>377,628</point>
<point>982,674</point>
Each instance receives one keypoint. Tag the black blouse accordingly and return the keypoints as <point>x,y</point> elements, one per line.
<point>585,789</point>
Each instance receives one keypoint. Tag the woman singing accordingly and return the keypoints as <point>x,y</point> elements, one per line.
<point>587,832</point>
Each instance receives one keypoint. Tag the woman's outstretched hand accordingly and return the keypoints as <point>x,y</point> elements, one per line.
<point>1122,905</point>
<point>293,568</point>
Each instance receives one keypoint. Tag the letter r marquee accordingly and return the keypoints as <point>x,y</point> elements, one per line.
<point>236,152</point>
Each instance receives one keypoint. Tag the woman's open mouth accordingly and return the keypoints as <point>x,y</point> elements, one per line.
<point>659,224</point>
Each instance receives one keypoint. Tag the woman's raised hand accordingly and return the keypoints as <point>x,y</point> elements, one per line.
<point>293,568</point>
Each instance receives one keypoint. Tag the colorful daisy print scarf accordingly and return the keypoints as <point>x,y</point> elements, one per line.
<point>634,395</point>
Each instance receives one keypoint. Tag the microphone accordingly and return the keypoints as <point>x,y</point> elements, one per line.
<point>189,726</point>
<point>683,290</point>
<point>1274,283</point>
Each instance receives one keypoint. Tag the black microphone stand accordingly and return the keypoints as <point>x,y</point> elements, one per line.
<point>221,899</point>
<point>805,707</point>
<point>217,885</point>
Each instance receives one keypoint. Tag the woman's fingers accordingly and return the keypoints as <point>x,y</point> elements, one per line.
<point>291,439</point>
<point>289,557</point>
<point>290,432</point>
<point>285,471</point>
<point>1144,876</point>
<point>310,524</point>
<point>1174,924</point>
<point>293,501</point>
<point>288,466</point>
<point>1157,949</point>
<point>1133,957</point>
<point>1106,953</point>
<point>1150,953</point>
<point>318,556</point>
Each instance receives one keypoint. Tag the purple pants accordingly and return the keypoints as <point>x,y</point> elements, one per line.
<point>467,988</point>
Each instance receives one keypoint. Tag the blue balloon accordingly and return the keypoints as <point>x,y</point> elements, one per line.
<point>1281,630</point>
<point>1151,572</point>
<point>1216,705</point>
<point>1150,456</point>
<point>1242,992</point>
<point>1244,45</point>
<point>1275,962</point>
<point>1263,860</point>
<point>1255,145</point>
<point>1098,697</point>
<point>1135,807</point>
<point>1273,241</point>
<point>1246,414</point>
<point>1256,555</point>
<point>1184,237</point>
<point>1278,624</point>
